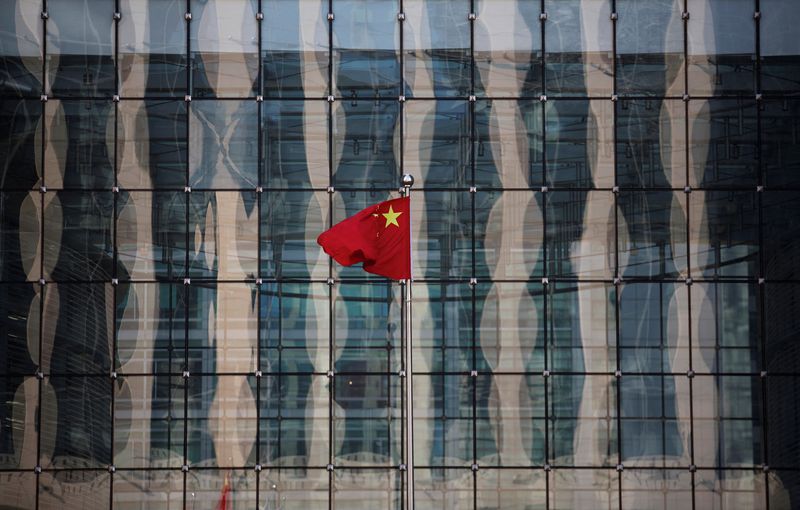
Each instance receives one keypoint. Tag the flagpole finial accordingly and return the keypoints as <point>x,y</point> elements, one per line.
<point>408,180</point>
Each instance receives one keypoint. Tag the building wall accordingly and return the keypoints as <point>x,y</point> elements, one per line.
<point>605,223</point>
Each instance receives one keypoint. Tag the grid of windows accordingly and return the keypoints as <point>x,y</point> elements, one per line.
<point>606,215</point>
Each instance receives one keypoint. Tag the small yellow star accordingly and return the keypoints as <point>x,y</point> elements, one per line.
<point>391,217</point>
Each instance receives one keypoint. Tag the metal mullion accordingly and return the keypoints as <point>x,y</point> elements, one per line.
<point>187,204</point>
<point>331,301</point>
<point>259,206</point>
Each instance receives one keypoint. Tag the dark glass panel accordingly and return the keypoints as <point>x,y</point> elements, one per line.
<point>290,224</point>
<point>295,144</point>
<point>20,164</point>
<point>437,48</point>
<point>80,48</point>
<point>364,153</point>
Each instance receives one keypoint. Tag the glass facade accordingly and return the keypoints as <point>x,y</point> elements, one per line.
<point>606,283</point>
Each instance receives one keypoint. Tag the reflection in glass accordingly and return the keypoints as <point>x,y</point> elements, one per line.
<point>294,48</point>
<point>152,48</point>
<point>649,47</point>
<point>437,48</point>
<point>224,47</point>
<point>578,40</point>
<point>364,134</point>
<point>508,52</point>
<point>80,48</point>
<point>721,47</point>
<point>366,39</point>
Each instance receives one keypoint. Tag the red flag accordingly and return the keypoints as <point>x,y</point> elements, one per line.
<point>379,236</point>
<point>226,488</point>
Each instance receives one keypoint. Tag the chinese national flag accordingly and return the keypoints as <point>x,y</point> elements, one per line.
<point>379,236</point>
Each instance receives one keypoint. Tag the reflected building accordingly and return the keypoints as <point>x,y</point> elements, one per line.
<point>604,244</point>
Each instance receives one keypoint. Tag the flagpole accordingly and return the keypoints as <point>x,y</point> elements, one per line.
<point>408,181</point>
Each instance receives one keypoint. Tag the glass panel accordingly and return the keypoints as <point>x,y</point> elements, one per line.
<point>655,421</point>
<point>295,142</point>
<point>78,235</point>
<point>224,48</point>
<point>149,422</point>
<point>442,327</point>
<point>157,490</point>
<point>443,412</point>
<point>582,420</point>
<point>510,416</point>
<point>366,419</point>
<point>364,133</point>
<point>290,224</point>
<point>151,234</point>
<point>437,141</point>
<point>508,489</point>
<point>367,326</point>
<point>508,48</point>
<point>781,221</point>
<point>19,403</point>
<point>294,327</point>
<point>363,489</point>
<point>20,236</point>
<point>721,47</point>
<point>508,148</point>
<point>20,158</point>
<point>656,489</point>
<point>151,144</point>
<point>300,489</point>
<point>80,48</point>
<point>584,488</point>
<point>726,332</point>
<point>651,143</point>
<point>652,327</point>
<point>580,144</point>
<point>724,234</point>
<point>732,490</point>
<point>223,327</point>
<point>205,489</point>
<point>783,418</point>
<point>294,48</point>
<point>780,327</point>
<point>221,420</point>
<point>649,47</point>
<point>80,151</point>
<point>508,234</point>
<point>581,329</point>
<point>579,226</point>
<point>223,235</point>
<point>19,326</point>
<point>443,245</point>
<point>437,48</point>
<point>19,489</point>
<point>78,328</point>
<point>294,427</point>
<point>224,144</point>
<point>443,488</point>
<point>579,44</point>
<point>724,141</point>
<point>150,328</point>
<point>366,37</point>
<point>21,48</point>
<point>510,326</point>
<point>780,149</point>
<point>76,423</point>
<point>780,69</point>
<point>75,489</point>
<point>727,421</point>
<point>152,48</point>
<point>652,234</point>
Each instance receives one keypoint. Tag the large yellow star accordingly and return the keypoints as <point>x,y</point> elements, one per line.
<point>391,217</point>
